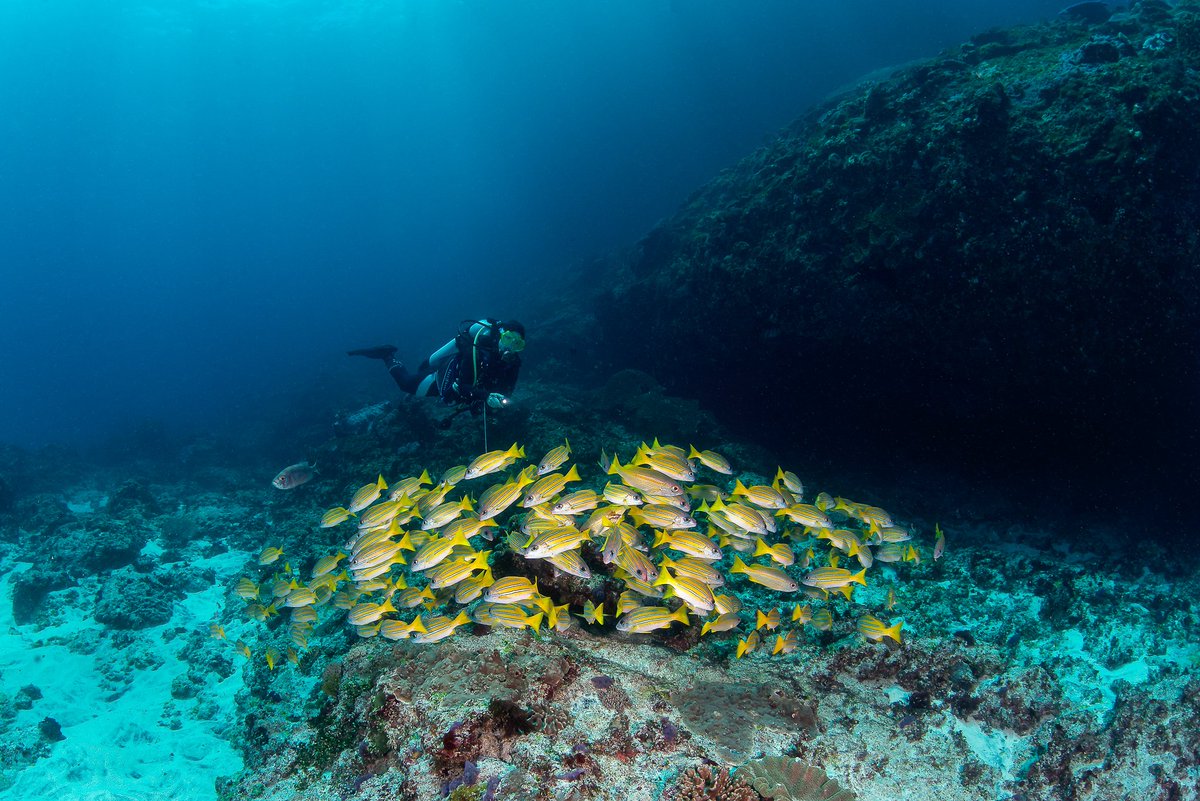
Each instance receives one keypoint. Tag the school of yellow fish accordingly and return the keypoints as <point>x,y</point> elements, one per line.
<point>653,526</point>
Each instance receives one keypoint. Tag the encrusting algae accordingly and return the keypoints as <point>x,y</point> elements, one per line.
<point>671,556</point>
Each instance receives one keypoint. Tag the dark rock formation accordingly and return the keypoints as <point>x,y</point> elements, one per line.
<point>29,590</point>
<point>131,600</point>
<point>989,259</point>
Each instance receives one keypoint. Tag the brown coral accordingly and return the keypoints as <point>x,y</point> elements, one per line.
<point>706,784</point>
<point>788,779</point>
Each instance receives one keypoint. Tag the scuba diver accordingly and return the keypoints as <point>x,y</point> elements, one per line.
<point>479,366</point>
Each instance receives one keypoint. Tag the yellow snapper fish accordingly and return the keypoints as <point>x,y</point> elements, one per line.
<point>890,552</point>
<point>445,513</point>
<point>939,545</point>
<point>688,542</point>
<point>554,458</point>
<point>770,577</point>
<point>301,596</point>
<point>410,597</point>
<point>335,516</point>
<point>579,501</point>
<point>216,631</point>
<point>650,618</point>
<point>452,571</point>
<point>712,460</point>
<point>727,604</point>
<point>365,613</point>
<point>693,567</point>
<point>748,645</point>
<point>627,601</point>
<point>327,564</point>
<point>571,563</point>
<point>273,657</point>
<point>806,515</point>
<point>454,475</point>
<point>246,589</point>
<point>822,620</point>
<point>470,588</point>
<point>786,643</point>
<point>636,564</point>
<point>831,578</point>
<point>270,555</point>
<point>621,495</point>
<point>696,594</point>
<point>555,542</point>
<point>745,518</point>
<point>498,497</point>
<point>761,496</point>
<point>507,616</point>
<point>436,551</point>
<point>493,461</point>
<point>726,621</point>
<point>645,479</point>
<point>440,627</point>
<point>399,630</point>
<point>665,462</point>
<point>409,486</point>
<point>780,553</point>
<point>769,620</point>
<point>509,589</point>
<point>875,629</point>
<point>548,486</point>
<point>593,614</point>
<point>792,483</point>
<point>661,515</point>
<point>367,495</point>
<point>802,614</point>
<point>256,611</point>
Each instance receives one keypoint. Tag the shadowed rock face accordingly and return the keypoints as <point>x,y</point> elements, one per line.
<point>991,257</point>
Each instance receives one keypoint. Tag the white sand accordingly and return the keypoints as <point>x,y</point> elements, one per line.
<point>117,749</point>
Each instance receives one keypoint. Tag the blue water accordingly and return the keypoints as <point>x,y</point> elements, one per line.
<point>202,204</point>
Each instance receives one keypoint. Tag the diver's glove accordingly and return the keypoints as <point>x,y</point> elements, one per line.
<point>384,352</point>
<point>497,401</point>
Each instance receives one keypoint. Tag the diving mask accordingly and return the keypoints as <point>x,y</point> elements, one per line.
<point>511,342</point>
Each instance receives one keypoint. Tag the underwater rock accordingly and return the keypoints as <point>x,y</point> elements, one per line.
<point>51,730</point>
<point>7,498</point>
<point>988,258</point>
<point>29,590</point>
<point>131,600</point>
<point>132,496</point>
<point>106,543</point>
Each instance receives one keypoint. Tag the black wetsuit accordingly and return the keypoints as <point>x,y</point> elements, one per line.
<point>465,370</point>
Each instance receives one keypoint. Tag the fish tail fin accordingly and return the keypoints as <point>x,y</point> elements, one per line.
<point>894,631</point>
<point>761,548</point>
<point>738,566</point>
<point>572,474</point>
<point>860,577</point>
<point>681,614</point>
<point>535,621</point>
<point>738,487</point>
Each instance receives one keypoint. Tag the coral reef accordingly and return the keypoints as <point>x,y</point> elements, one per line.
<point>707,784</point>
<point>787,779</point>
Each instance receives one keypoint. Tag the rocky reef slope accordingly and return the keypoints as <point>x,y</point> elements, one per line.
<point>990,256</point>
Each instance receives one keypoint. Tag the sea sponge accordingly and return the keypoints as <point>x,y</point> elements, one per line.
<point>789,779</point>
